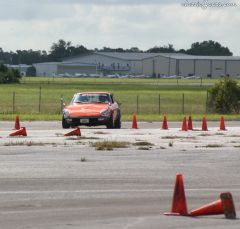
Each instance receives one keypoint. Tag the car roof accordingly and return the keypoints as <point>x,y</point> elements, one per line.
<point>94,92</point>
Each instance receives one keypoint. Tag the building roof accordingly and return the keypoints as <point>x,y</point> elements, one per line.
<point>47,63</point>
<point>76,64</point>
<point>138,56</point>
<point>17,65</point>
<point>128,56</point>
<point>191,57</point>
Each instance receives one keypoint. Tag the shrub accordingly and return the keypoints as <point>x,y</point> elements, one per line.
<point>225,96</point>
<point>31,71</point>
<point>9,75</point>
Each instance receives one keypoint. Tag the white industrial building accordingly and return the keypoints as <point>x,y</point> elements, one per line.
<point>147,64</point>
<point>22,68</point>
<point>188,65</point>
<point>64,68</point>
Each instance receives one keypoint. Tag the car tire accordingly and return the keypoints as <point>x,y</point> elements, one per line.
<point>118,123</point>
<point>65,125</point>
<point>110,124</point>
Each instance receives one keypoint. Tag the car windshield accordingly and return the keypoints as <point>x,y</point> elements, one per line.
<point>91,98</point>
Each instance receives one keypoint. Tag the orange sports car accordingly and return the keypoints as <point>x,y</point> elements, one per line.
<point>92,109</point>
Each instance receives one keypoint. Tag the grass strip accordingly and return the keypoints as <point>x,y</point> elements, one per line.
<point>140,117</point>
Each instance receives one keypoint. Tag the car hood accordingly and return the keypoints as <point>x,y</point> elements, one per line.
<point>92,109</point>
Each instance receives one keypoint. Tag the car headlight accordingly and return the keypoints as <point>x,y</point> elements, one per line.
<point>66,113</point>
<point>106,112</point>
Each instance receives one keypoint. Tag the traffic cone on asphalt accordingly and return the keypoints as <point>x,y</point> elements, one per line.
<point>189,126</point>
<point>75,132</point>
<point>184,124</point>
<point>228,205</point>
<point>204,124</point>
<point>224,206</point>
<point>17,123</point>
<point>164,124</point>
<point>222,124</point>
<point>179,204</point>
<point>134,121</point>
<point>214,208</point>
<point>21,132</point>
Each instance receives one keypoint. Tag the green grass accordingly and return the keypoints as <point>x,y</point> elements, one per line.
<point>150,98</point>
<point>49,80</point>
<point>109,145</point>
<point>125,117</point>
<point>27,143</point>
<point>142,143</point>
<point>213,146</point>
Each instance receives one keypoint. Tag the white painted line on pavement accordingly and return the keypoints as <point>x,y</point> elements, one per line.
<point>108,191</point>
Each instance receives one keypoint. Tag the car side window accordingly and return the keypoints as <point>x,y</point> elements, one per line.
<point>111,97</point>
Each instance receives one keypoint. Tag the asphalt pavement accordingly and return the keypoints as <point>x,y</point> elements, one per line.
<point>50,181</point>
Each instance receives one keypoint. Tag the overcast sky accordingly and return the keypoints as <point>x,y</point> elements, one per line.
<point>37,24</point>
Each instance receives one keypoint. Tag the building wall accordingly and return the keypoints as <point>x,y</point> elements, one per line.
<point>147,67</point>
<point>95,59</point>
<point>46,69</point>
<point>161,66</point>
<point>203,68</point>
<point>158,65</point>
<point>72,70</point>
<point>173,67</point>
<point>218,68</point>
<point>105,62</point>
<point>233,68</point>
<point>136,67</point>
<point>185,67</point>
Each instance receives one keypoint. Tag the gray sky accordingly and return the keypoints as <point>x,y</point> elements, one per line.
<point>37,24</point>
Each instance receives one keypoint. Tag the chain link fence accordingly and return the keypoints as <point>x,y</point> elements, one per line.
<point>39,101</point>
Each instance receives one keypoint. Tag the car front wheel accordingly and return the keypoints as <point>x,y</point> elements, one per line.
<point>110,124</point>
<point>65,125</point>
<point>118,123</point>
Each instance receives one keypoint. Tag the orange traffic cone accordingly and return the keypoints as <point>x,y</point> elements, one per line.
<point>179,204</point>
<point>134,121</point>
<point>75,132</point>
<point>204,124</point>
<point>228,205</point>
<point>17,123</point>
<point>21,132</point>
<point>164,124</point>
<point>190,127</point>
<point>222,124</point>
<point>184,124</point>
<point>214,208</point>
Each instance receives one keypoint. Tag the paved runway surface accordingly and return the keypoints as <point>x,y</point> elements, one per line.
<point>45,183</point>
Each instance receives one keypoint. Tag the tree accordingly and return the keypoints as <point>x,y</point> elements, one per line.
<point>63,49</point>
<point>119,50</point>
<point>134,49</point>
<point>208,48</point>
<point>59,50</point>
<point>9,75</point>
<point>163,49</point>
<point>225,96</point>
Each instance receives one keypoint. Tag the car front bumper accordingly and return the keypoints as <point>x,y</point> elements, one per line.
<point>87,121</point>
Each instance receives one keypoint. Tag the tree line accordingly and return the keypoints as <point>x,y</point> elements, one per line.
<point>63,49</point>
